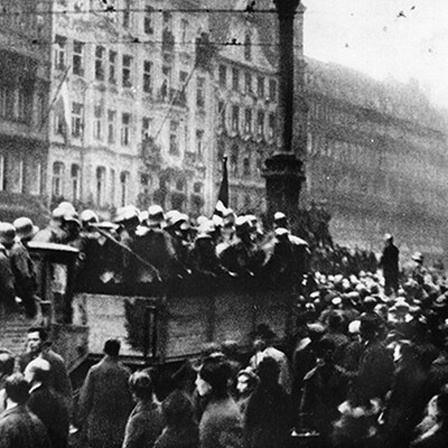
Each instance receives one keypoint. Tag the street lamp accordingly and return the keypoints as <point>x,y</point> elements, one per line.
<point>283,170</point>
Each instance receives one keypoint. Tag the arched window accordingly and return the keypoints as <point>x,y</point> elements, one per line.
<point>75,174</point>
<point>247,47</point>
<point>57,188</point>
<point>124,187</point>
<point>100,185</point>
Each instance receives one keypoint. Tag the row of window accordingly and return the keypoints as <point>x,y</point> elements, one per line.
<point>107,69</point>
<point>106,63</point>
<point>252,85</point>
<point>107,131</point>
<point>252,123</point>
<point>104,188</point>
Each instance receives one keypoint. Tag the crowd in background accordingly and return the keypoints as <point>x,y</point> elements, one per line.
<point>367,365</point>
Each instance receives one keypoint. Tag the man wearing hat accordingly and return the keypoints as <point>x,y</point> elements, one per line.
<point>155,245</point>
<point>128,219</point>
<point>264,346</point>
<point>288,258</point>
<point>179,229</point>
<point>7,290</point>
<point>389,263</point>
<point>23,267</point>
<point>72,227</point>
<point>204,260</point>
<point>91,267</point>
<point>418,271</point>
<point>243,256</point>
<point>53,233</point>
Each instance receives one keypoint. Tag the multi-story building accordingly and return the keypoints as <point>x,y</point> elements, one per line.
<point>157,92</point>
<point>377,157</point>
<point>24,85</point>
<point>140,107</point>
<point>245,104</point>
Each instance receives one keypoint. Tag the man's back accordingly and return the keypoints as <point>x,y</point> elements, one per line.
<point>19,428</point>
<point>52,410</point>
<point>106,402</point>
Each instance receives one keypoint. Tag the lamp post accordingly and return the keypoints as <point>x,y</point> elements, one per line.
<point>283,171</point>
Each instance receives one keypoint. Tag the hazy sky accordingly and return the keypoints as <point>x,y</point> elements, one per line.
<point>403,38</point>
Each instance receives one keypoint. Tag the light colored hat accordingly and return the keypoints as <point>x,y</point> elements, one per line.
<point>281,232</point>
<point>354,327</point>
<point>217,221</point>
<point>127,213</point>
<point>155,210</point>
<point>67,207</point>
<point>58,213</point>
<point>201,220</point>
<point>25,228</point>
<point>89,216</point>
<point>155,215</point>
<point>69,216</point>
<point>278,216</point>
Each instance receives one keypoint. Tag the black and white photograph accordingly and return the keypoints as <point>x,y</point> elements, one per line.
<point>223,224</point>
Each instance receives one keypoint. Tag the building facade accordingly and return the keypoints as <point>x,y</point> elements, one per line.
<point>140,108</point>
<point>157,93</point>
<point>376,156</point>
<point>246,96</point>
<point>24,101</point>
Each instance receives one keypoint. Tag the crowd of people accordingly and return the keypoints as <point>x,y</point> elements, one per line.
<point>367,365</point>
<point>154,247</point>
<point>365,368</point>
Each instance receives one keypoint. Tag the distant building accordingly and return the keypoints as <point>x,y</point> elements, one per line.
<point>24,101</point>
<point>376,157</point>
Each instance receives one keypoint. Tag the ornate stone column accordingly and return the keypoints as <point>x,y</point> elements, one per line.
<point>283,171</point>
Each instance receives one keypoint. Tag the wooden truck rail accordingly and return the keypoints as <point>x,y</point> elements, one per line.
<point>173,327</point>
<point>167,323</point>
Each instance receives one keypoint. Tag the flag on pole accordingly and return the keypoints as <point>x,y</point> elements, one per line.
<point>62,111</point>
<point>223,196</point>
